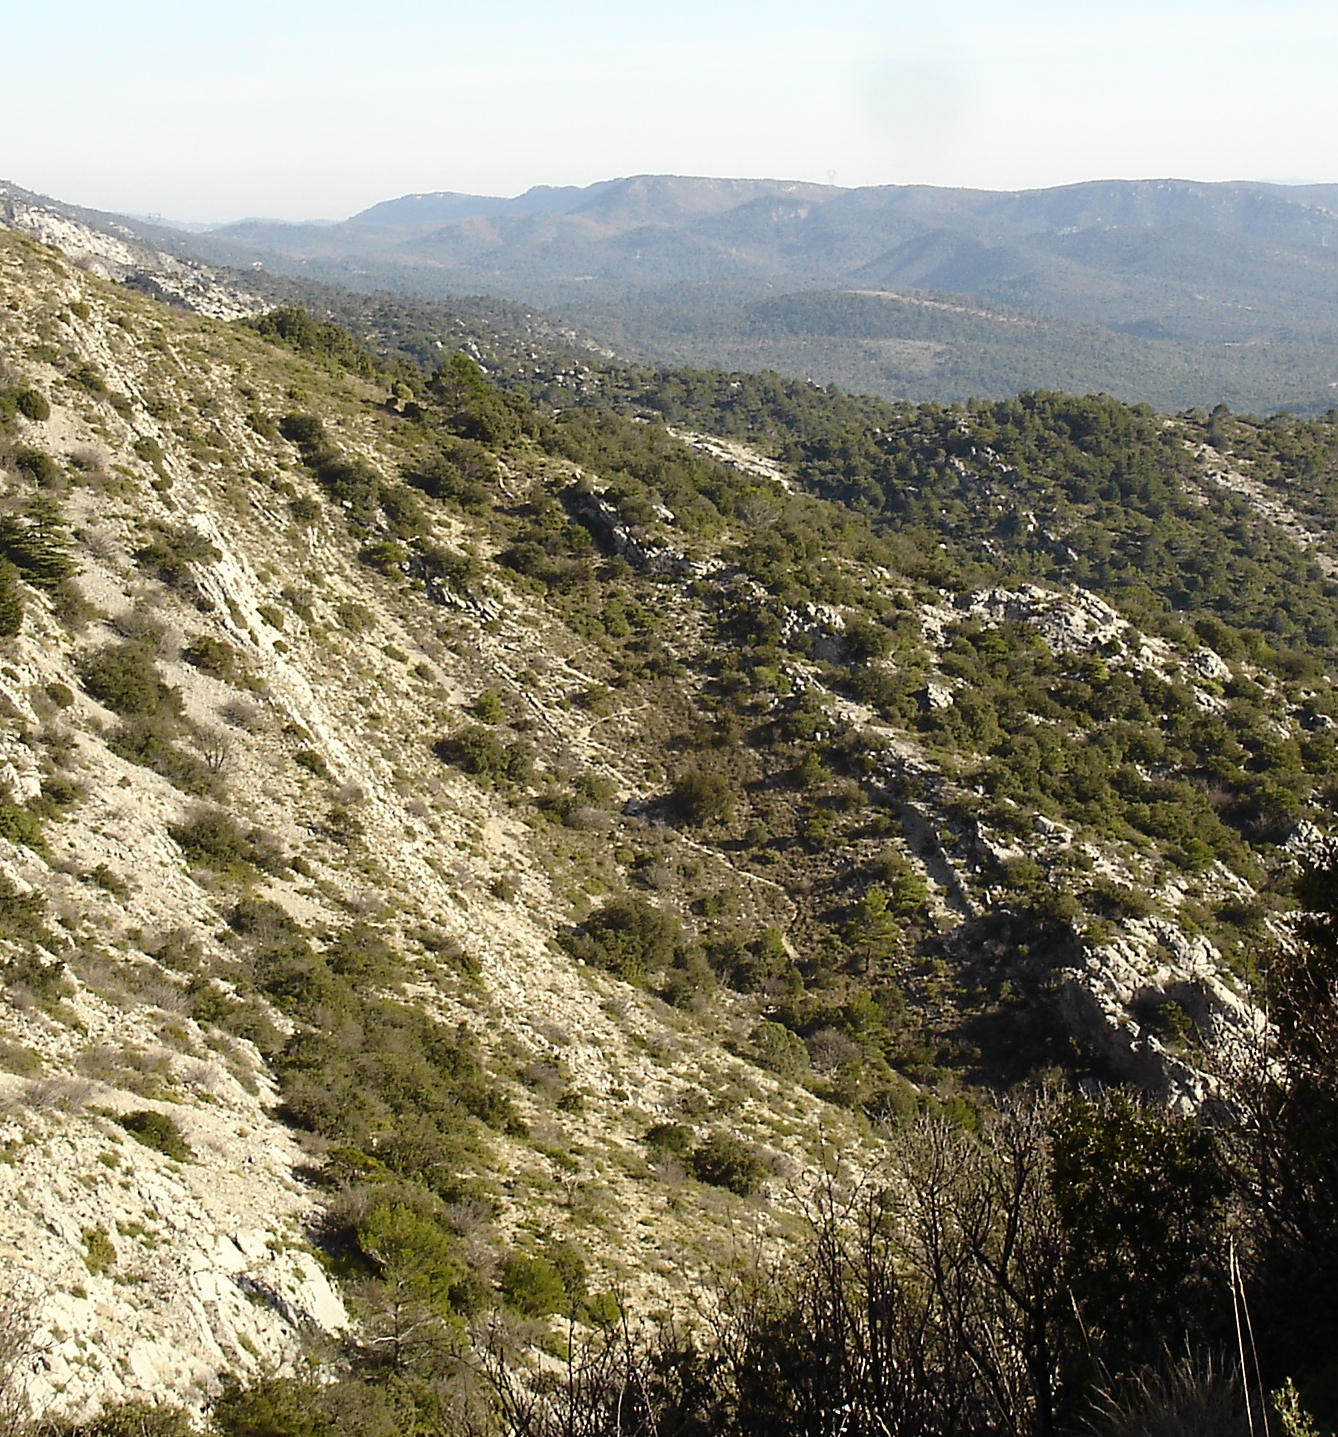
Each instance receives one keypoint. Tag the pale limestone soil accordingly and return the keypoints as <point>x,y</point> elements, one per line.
<point>431,844</point>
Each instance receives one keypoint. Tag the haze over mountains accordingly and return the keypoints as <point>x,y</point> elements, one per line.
<point>1176,293</point>
<point>1172,291</point>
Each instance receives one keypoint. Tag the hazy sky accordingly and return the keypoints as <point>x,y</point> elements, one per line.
<point>300,109</point>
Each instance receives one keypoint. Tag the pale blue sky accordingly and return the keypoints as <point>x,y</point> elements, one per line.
<point>299,109</point>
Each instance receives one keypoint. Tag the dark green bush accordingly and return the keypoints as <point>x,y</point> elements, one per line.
<point>11,601</point>
<point>32,404</point>
<point>212,656</point>
<point>124,678</point>
<point>669,1139</point>
<point>532,1285</point>
<point>21,913</point>
<point>129,1419</point>
<point>726,1161</point>
<point>386,556</point>
<point>699,798</point>
<point>40,467</point>
<point>307,431</point>
<point>483,755</point>
<point>148,449</point>
<point>89,377</point>
<point>304,510</point>
<point>272,1407</point>
<point>157,1131</point>
<point>630,938</point>
<point>213,837</point>
<point>149,740</point>
<point>172,551</point>
<point>19,826</point>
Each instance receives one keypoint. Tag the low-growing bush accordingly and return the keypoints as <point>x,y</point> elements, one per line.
<point>483,755</point>
<point>157,1131</point>
<point>213,837</point>
<point>212,656</point>
<point>124,678</point>
<point>630,938</point>
<point>40,467</point>
<point>171,552</point>
<point>726,1161</point>
<point>532,1285</point>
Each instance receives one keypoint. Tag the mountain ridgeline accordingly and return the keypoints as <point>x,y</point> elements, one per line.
<point>1171,292</point>
<point>540,895</point>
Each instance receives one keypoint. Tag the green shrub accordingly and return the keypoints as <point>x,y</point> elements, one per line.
<point>148,449</point>
<point>45,981</point>
<point>172,551</point>
<point>99,1251</point>
<point>32,404</point>
<point>470,406</point>
<point>157,1131</point>
<point>630,938</point>
<point>355,617</point>
<point>20,826</point>
<point>89,377</point>
<point>211,656</point>
<point>532,1285</point>
<point>41,468</point>
<point>488,707</point>
<point>272,1407</point>
<point>313,761</point>
<point>462,472</point>
<point>124,678</point>
<point>149,740</point>
<point>353,483</point>
<point>213,837</point>
<point>726,1161</point>
<point>413,1254</point>
<point>305,430</point>
<point>304,509</point>
<point>699,797</point>
<point>669,1139</point>
<point>11,601</point>
<point>780,1050</point>
<point>129,1419</point>
<point>386,556</point>
<point>483,755</point>
<point>21,914</point>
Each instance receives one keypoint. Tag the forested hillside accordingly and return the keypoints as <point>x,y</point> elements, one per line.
<point>557,897</point>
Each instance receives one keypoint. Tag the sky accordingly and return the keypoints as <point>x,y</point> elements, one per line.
<point>295,109</point>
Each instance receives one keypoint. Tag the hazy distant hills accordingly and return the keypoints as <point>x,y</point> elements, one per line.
<point>649,229</point>
<point>1175,292</point>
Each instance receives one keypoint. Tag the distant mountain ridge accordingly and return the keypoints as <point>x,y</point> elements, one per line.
<point>1179,293</point>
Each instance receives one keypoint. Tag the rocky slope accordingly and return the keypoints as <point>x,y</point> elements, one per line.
<point>439,746</point>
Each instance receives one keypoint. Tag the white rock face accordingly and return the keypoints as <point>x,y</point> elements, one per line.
<point>188,283</point>
<point>1107,1000</point>
<point>136,1274</point>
